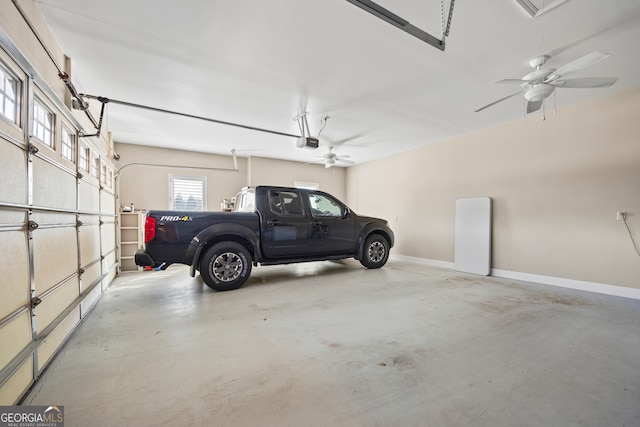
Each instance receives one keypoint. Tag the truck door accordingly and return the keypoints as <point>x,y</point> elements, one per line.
<point>332,227</point>
<point>285,229</point>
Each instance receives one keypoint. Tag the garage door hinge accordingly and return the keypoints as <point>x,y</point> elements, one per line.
<point>78,223</point>
<point>32,225</point>
<point>35,301</point>
<point>32,149</point>
<point>79,175</point>
<point>80,271</point>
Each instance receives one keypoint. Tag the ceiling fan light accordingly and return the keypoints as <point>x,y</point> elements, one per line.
<point>538,92</point>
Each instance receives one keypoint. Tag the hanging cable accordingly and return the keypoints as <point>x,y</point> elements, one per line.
<point>323,123</point>
<point>635,246</point>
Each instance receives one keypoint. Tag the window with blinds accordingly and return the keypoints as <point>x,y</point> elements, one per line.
<point>187,193</point>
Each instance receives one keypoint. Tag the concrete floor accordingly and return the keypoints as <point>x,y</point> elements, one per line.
<point>333,344</point>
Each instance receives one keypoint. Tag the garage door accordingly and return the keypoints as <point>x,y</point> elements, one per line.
<point>57,226</point>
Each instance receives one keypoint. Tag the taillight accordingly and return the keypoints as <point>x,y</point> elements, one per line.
<point>149,228</point>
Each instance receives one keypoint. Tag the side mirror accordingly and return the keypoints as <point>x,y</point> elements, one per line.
<point>346,213</point>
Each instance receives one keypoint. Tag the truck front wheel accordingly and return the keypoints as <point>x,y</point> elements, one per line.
<point>375,251</point>
<point>226,266</point>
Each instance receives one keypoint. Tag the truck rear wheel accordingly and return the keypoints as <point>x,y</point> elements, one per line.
<point>375,251</point>
<point>226,266</point>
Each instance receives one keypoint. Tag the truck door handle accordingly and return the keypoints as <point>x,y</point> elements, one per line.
<point>274,222</point>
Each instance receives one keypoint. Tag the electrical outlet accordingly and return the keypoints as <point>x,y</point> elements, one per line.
<point>620,216</point>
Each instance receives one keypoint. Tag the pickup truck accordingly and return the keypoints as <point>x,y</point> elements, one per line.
<point>269,226</point>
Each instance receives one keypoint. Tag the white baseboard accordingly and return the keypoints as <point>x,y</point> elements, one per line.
<point>600,288</point>
<point>423,261</point>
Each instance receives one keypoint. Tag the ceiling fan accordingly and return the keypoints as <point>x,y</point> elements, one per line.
<point>330,158</point>
<point>542,82</point>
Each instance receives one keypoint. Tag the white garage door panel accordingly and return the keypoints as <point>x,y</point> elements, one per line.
<point>14,288</point>
<point>14,336</point>
<point>107,204</point>
<point>16,218</point>
<point>56,338</point>
<point>56,302</point>
<point>54,218</point>
<point>109,260</point>
<point>13,174</point>
<point>55,256</point>
<point>91,274</point>
<point>90,300</point>
<point>53,187</point>
<point>89,236</point>
<point>108,266</point>
<point>88,198</point>
<point>17,384</point>
<point>108,236</point>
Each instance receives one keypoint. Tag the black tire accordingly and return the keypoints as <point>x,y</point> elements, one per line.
<point>375,251</point>
<point>226,266</point>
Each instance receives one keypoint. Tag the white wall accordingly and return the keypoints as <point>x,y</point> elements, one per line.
<point>148,187</point>
<point>556,186</point>
<point>264,171</point>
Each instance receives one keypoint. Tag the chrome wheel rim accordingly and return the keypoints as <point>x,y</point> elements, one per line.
<point>227,267</point>
<point>376,252</point>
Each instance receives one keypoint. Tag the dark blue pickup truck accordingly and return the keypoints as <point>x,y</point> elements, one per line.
<point>270,225</point>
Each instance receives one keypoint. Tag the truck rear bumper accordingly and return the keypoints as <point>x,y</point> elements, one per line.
<point>143,259</point>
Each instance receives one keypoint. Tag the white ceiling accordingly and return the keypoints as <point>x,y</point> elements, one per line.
<point>260,63</point>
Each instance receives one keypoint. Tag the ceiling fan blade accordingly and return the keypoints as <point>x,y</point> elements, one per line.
<point>577,65</point>
<point>509,81</point>
<point>533,106</point>
<point>348,162</point>
<point>345,141</point>
<point>499,100</point>
<point>586,82</point>
<point>343,156</point>
<point>548,7</point>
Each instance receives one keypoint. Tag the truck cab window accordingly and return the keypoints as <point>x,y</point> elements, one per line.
<point>285,203</point>
<point>323,206</point>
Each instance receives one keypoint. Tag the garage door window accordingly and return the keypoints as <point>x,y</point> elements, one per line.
<point>9,90</point>
<point>68,144</point>
<point>43,120</point>
<point>187,193</point>
<point>95,166</point>
<point>83,158</point>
